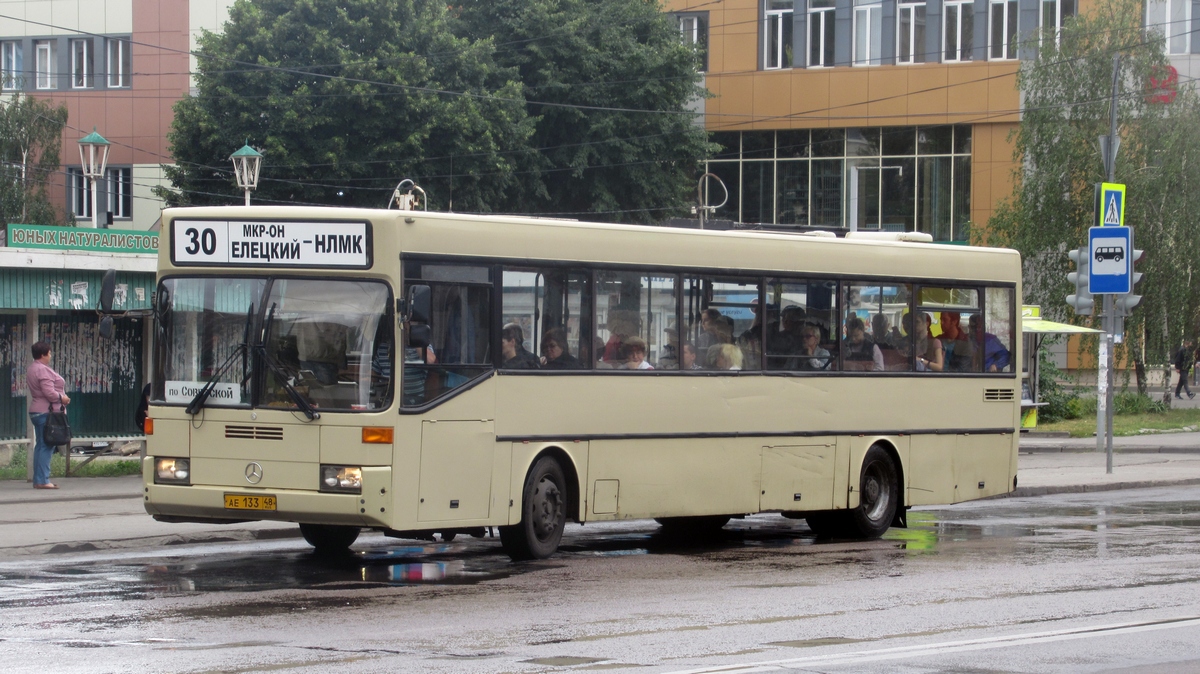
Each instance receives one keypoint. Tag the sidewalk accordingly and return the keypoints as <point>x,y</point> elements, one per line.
<point>107,513</point>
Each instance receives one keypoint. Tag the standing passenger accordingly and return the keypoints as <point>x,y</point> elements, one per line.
<point>46,389</point>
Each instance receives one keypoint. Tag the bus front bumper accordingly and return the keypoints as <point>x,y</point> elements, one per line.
<point>208,503</point>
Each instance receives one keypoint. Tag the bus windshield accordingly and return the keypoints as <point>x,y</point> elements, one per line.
<point>330,341</point>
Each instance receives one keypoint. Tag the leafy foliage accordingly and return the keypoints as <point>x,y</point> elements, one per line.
<point>346,97</point>
<point>1066,108</point>
<point>627,147</point>
<point>30,141</point>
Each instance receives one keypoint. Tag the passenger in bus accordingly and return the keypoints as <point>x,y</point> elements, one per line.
<point>714,330</point>
<point>620,328</point>
<point>750,341</point>
<point>512,346</point>
<point>635,354</point>
<point>688,351</point>
<point>810,356</point>
<point>994,357</point>
<point>725,357</point>
<point>927,349</point>
<point>555,354</point>
<point>955,344</point>
<point>859,352</point>
<point>670,354</point>
<point>893,359</point>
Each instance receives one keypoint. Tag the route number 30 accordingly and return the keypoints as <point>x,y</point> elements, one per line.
<point>198,240</point>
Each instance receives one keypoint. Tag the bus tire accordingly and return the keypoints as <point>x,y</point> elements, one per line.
<point>878,498</point>
<point>706,525</point>
<point>543,513</point>
<point>329,537</point>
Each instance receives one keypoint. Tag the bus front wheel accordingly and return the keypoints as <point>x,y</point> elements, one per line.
<point>879,496</point>
<point>543,513</point>
<point>329,537</point>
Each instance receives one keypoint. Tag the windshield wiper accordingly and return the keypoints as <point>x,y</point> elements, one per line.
<point>205,391</point>
<point>281,374</point>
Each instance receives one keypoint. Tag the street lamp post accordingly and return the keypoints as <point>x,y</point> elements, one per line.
<point>93,156</point>
<point>246,164</point>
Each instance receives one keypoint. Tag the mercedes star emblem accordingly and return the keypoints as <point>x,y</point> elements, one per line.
<point>254,473</point>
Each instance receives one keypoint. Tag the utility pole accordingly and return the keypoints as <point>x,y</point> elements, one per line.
<point>1104,393</point>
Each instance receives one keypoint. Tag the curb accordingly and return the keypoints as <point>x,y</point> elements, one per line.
<point>1021,492</point>
<point>1077,449</point>
<point>152,541</point>
<point>65,499</point>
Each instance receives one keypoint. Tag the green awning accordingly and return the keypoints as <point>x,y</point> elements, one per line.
<point>1041,326</point>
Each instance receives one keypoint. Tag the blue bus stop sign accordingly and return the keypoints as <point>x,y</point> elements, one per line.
<point>1109,265</point>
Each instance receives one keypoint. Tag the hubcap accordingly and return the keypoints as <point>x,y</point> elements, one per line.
<point>547,506</point>
<point>876,493</point>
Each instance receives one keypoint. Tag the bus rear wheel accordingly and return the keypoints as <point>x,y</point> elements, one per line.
<point>329,537</point>
<point>543,513</point>
<point>879,496</point>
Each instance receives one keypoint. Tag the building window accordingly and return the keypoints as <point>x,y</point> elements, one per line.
<point>120,197</point>
<point>892,179</point>
<point>868,32</point>
<point>911,38</point>
<point>1054,12</point>
<point>959,24</point>
<point>79,189</point>
<point>44,51</point>
<point>10,55</point>
<point>1003,35</point>
<point>81,64</point>
<point>1173,18</point>
<point>118,65</point>
<point>820,33</point>
<point>777,34</point>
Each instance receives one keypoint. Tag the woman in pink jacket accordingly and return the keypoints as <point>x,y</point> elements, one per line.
<point>46,388</point>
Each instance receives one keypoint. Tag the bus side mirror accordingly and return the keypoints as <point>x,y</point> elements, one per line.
<point>420,304</point>
<point>108,289</point>
<point>418,335</point>
<point>106,327</point>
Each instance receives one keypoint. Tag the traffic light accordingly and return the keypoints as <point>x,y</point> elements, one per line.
<point>1082,300</point>
<point>1124,304</point>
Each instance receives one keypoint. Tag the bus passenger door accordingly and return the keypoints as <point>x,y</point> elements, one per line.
<point>456,470</point>
<point>798,477</point>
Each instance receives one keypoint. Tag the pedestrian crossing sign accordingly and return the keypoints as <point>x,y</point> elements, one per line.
<point>1110,211</point>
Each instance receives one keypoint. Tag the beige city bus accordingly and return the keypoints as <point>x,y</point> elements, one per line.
<point>434,374</point>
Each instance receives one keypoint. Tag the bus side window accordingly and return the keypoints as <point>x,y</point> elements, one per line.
<point>459,331</point>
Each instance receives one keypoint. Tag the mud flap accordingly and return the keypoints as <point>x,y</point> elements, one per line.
<point>901,518</point>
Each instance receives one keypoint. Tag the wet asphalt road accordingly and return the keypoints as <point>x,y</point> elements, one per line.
<point>1106,582</point>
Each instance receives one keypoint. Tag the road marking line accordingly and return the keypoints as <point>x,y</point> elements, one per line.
<point>985,643</point>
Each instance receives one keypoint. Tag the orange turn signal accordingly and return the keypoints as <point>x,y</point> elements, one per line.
<point>148,426</point>
<point>377,436</point>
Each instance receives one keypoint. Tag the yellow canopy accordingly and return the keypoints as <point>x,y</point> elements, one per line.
<point>1041,326</point>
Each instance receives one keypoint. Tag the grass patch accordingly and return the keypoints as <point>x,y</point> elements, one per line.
<point>103,467</point>
<point>1129,424</point>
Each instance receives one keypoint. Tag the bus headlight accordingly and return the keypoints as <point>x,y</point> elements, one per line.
<point>345,479</point>
<point>172,471</point>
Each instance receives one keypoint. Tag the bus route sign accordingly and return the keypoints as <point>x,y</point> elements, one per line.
<point>1109,249</point>
<point>237,243</point>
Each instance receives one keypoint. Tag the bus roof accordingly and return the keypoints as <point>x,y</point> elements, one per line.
<point>533,238</point>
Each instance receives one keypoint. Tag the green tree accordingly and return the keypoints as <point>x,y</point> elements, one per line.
<point>344,98</point>
<point>610,83</point>
<point>30,141</point>
<point>1066,93</point>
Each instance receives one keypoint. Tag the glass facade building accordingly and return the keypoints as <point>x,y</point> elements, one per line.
<point>910,178</point>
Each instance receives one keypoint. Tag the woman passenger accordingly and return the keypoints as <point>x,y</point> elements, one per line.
<point>928,349</point>
<point>555,355</point>
<point>810,356</point>
<point>725,357</point>
<point>635,354</point>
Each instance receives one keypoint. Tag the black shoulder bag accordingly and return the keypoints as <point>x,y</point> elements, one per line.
<point>57,431</point>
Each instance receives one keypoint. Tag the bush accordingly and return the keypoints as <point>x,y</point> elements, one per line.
<point>1132,402</point>
<point>17,468</point>
<point>1060,403</point>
